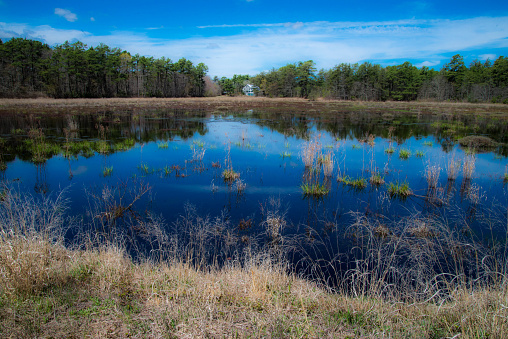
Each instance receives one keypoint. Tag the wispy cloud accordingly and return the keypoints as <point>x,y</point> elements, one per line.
<point>66,14</point>
<point>492,57</point>
<point>263,46</point>
<point>92,19</point>
<point>242,25</point>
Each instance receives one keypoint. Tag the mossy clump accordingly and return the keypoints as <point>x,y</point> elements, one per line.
<point>478,142</point>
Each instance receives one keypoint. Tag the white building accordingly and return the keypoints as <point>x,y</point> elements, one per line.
<point>250,90</point>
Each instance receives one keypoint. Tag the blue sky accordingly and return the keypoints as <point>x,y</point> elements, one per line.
<point>251,36</point>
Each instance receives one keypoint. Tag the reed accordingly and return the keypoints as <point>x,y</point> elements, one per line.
<point>310,151</point>
<point>328,163</point>
<point>432,175</point>
<point>229,174</point>
<point>452,167</point>
<point>469,166</point>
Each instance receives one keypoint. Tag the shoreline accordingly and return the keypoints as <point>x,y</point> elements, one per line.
<point>226,103</point>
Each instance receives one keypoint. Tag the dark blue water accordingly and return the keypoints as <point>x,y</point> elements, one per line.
<point>267,155</point>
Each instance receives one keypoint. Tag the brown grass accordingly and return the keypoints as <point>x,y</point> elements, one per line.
<point>226,103</point>
<point>50,290</point>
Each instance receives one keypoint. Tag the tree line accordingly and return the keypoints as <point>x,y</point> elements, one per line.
<point>480,82</point>
<point>74,70</point>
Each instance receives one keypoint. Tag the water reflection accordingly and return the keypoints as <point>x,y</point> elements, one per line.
<point>183,156</point>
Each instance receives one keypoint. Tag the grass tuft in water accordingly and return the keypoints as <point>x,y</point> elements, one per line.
<point>400,190</point>
<point>389,150</point>
<point>358,183</point>
<point>404,154</point>
<point>107,171</point>
<point>230,175</point>
<point>376,179</point>
<point>314,189</point>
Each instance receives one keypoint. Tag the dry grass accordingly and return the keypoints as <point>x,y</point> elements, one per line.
<point>311,151</point>
<point>49,290</point>
<point>328,163</point>
<point>432,175</point>
<point>452,167</point>
<point>225,103</point>
<point>469,166</point>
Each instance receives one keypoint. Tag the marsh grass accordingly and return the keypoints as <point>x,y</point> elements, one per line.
<point>163,145</point>
<point>389,150</point>
<point>400,190</point>
<point>357,183</point>
<point>432,175</point>
<point>230,175</point>
<point>452,167</point>
<point>107,171</point>
<point>328,163</point>
<point>314,189</point>
<point>146,169</point>
<point>469,166</point>
<point>404,154</point>
<point>376,179</point>
<point>310,151</point>
<point>203,280</point>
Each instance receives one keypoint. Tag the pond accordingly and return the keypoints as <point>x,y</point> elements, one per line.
<point>305,180</point>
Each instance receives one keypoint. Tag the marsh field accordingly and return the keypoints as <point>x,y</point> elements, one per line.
<point>253,217</point>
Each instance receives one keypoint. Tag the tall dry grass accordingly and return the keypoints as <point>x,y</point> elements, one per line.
<point>452,167</point>
<point>469,166</point>
<point>417,277</point>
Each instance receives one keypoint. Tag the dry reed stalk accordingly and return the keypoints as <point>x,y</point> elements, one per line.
<point>469,166</point>
<point>432,175</point>
<point>310,151</point>
<point>328,162</point>
<point>452,167</point>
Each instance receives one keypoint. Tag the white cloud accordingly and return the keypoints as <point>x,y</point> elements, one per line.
<point>44,33</point>
<point>65,13</point>
<point>264,46</point>
<point>92,19</point>
<point>492,57</point>
<point>427,64</point>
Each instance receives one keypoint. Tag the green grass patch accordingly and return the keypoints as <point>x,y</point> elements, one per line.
<point>230,175</point>
<point>389,150</point>
<point>163,145</point>
<point>404,154</point>
<point>315,189</point>
<point>400,190</point>
<point>107,171</point>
